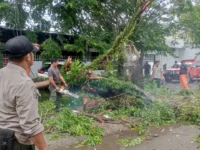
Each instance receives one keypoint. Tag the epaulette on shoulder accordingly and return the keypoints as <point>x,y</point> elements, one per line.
<point>26,76</point>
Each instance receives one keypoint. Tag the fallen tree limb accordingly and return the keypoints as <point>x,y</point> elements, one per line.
<point>121,38</point>
<point>117,96</point>
<point>102,119</point>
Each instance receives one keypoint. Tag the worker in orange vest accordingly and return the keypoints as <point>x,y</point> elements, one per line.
<point>183,76</point>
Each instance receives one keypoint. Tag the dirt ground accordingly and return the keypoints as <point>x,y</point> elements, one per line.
<point>175,86</point>
<point>167,138</point>
<point>175,137</point>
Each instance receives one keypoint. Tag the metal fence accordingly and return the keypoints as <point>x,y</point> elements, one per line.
<point>5,60</point>
<point>38,58</point>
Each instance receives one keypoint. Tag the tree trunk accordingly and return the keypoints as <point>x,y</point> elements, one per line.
<point>117,46</point>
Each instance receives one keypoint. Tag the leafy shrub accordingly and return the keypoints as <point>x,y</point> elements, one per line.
<point>151,86</point>
<point>68,122</point>
<point>71,78</point>
<point>156,114</point>
<point>189,110</point>
<point>50,49</point>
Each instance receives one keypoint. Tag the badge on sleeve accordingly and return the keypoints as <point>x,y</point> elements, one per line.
<point>36,93</point>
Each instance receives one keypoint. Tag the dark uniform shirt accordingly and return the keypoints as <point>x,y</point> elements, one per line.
<point>147,69</point>
<point>183,69</point>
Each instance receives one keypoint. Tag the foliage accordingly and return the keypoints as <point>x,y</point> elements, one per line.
<point>100,46</point>
<point>14,15</point>
<point>32,37</point>
<point>150,36</point>
<point>151,86</point>
<point>189,111</point>
<point>198,138</point>
<point>130,93</point>
<point>185,21</point>
<point>130,141</point>
<point>68,122</point>
<point>77,47</point>
<point>72,102</point>
<point>117,86</point>
<point>5,7</point>
<point>94,136</point>
<point>70,77</point>
<point>157,114</point>
<point>99,22</point>
<point>50,49</point>
<point>44,94</point>
<point>184,92</point>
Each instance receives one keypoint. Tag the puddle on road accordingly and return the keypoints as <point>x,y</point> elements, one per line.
<point>109,142</point>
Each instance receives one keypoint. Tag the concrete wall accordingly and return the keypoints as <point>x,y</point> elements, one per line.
<point>37,65</point>
<point>181,51</point>
<point>184,53</point>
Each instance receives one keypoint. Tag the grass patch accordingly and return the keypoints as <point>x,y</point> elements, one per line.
<point>58,124</point>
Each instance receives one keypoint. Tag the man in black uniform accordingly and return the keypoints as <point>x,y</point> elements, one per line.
<point>147,68</point>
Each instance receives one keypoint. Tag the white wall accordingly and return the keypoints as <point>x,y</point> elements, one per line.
<point>184,53</point>
<point>37,65</point>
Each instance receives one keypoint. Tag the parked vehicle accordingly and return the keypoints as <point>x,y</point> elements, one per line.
<point>194,69</point>
<point>43,71</point>
<point>172,74</point>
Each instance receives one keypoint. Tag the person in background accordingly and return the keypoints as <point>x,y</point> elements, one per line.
<point>165,67</point>
<point>20,127</point>
<point>67,64</point>
<point>183,76</point>
<point>157,73</point>
<point>91,76</point>
<point>175,65</point>
<point>132,56</point>
<point>147,69</point>
<point>54,78</point>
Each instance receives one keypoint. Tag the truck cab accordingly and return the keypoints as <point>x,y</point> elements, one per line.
<point>194,69</point>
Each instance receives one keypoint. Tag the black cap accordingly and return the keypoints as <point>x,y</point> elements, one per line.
<point>18,46</point>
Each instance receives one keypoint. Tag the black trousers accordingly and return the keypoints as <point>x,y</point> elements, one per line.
<point>9,142</point>
<point>18,146</point>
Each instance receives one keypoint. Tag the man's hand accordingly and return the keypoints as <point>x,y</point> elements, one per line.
<point>57,88</point>
<point>37,46</point>
<point>66,86</point>
<point>39,141</point>
<point>69,60</point>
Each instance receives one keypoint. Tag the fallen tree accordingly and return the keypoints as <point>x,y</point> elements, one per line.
<point>105,61</point>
